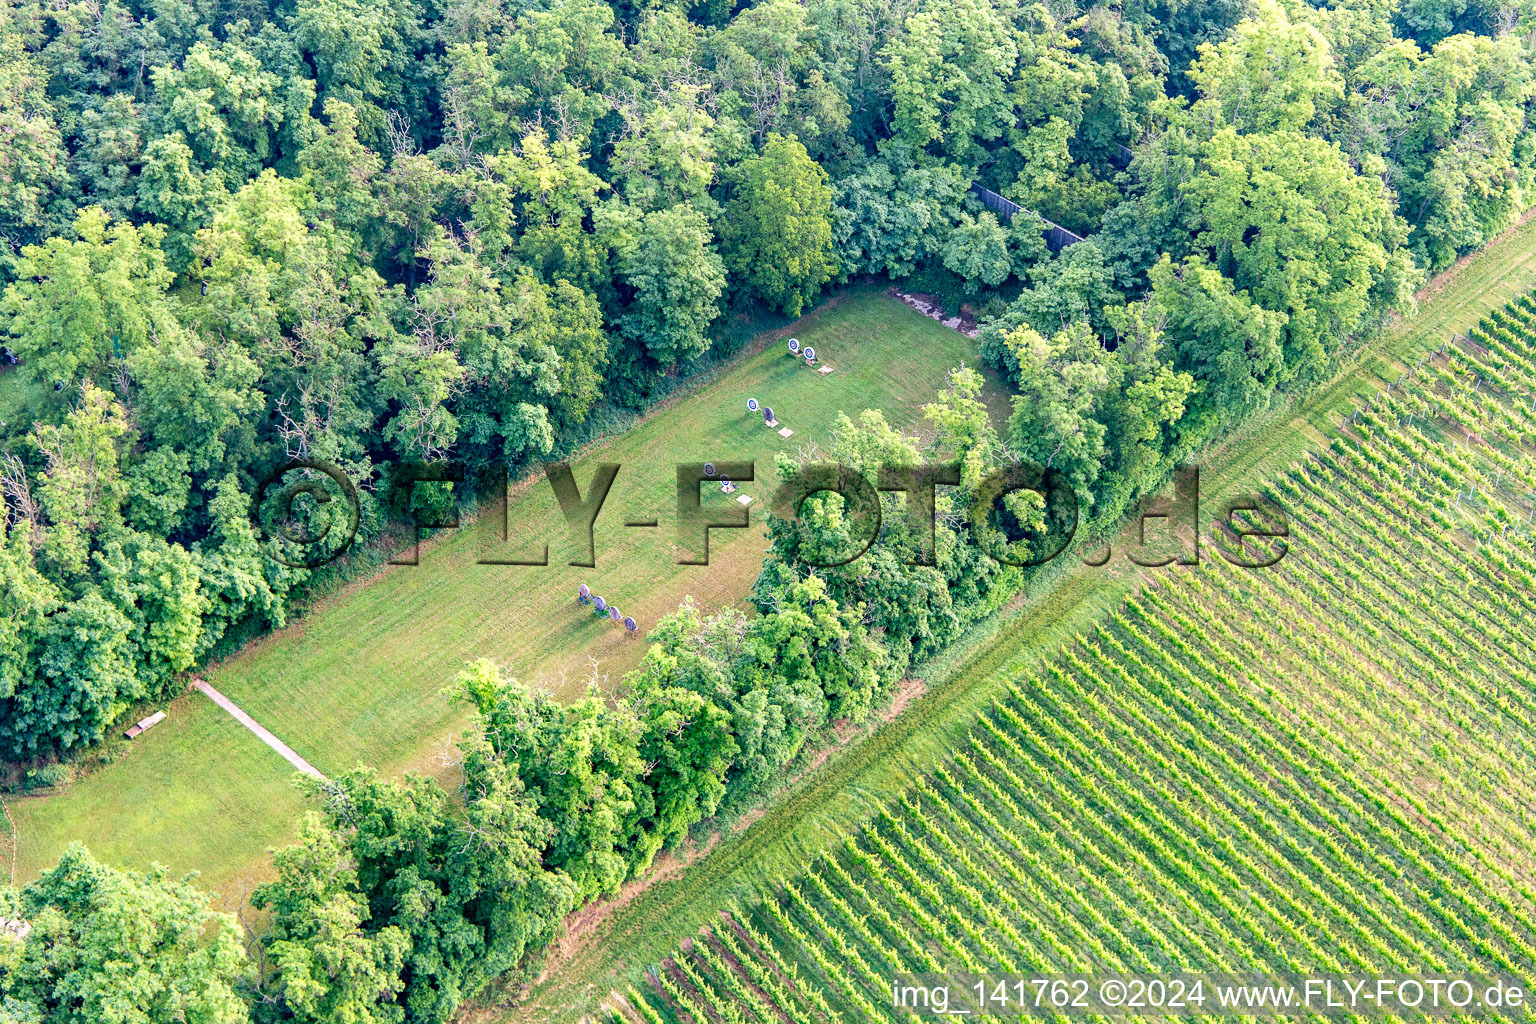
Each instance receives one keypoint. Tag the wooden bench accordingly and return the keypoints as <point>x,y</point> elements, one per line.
<point>145,724</point>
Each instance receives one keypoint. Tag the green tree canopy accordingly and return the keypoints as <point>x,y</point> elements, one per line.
<point>123,947</point>
<point>776,231</point>
<point>668,259</point>
<point>75,304</point>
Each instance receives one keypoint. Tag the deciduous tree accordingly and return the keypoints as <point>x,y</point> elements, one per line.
<point>776,231</point>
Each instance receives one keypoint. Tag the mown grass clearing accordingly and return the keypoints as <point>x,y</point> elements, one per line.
<point>359,678</point>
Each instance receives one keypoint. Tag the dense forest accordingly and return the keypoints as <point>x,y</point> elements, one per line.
<point>383,233</point>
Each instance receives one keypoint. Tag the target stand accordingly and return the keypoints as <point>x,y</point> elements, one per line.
<point>809,355</point>
<point>767,412</point>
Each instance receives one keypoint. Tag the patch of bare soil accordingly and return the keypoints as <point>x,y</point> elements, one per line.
<point>907,691</point>
<point>929,306</point>
<point>843,730</point>
<point>747,820</point>
<point>817,760</point>
<point>583,925</point>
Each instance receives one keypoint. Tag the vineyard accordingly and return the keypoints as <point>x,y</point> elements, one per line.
<point>1327,765</point>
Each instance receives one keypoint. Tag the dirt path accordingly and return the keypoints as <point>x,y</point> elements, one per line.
<point>262,734</point>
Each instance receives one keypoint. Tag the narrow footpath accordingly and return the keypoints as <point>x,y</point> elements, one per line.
<point>250,723</point>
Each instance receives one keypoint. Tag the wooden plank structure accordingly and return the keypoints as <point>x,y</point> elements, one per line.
<point>145,724</point>
<point>1057,237</point>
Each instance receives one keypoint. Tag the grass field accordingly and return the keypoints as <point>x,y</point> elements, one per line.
<point>1322,766</point>
<point>831,803</point>
<point>359,678</point>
